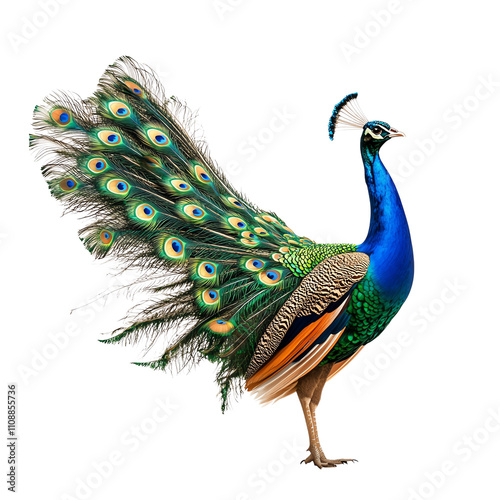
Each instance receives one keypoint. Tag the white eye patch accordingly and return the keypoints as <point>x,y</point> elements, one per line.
<point>376,136</point>
<point>369,131</point>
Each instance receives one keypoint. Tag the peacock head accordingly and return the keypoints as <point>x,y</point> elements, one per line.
<point>376,133</point>
<point>348,115</point>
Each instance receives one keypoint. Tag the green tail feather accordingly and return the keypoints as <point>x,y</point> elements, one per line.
<point>157,202</point>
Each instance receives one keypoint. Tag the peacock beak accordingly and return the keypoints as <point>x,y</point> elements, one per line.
<point>396,133</point>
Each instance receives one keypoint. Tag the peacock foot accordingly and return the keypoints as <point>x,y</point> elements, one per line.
<point>319,459</point>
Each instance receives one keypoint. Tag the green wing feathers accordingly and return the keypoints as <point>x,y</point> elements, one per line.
<point>152,198</point>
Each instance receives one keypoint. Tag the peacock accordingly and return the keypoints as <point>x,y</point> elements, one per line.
<point>276,312</point>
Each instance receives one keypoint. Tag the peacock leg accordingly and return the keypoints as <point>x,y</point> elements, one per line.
<point>314,455</point>
<point>306,388</point>
<point>309,389</point>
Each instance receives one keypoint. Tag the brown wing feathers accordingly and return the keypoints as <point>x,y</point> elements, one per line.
<point>325,284</point>
<point>273,371</point>
<point>295,348</point>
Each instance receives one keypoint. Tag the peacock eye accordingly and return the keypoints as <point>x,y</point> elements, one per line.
<point>377,130</point>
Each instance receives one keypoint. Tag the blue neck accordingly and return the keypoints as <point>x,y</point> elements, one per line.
<point>388,242</point>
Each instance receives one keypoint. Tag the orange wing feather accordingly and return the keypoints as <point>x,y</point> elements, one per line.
<point>295,348</point>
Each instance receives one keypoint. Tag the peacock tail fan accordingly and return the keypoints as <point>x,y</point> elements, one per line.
<point>150,196</point>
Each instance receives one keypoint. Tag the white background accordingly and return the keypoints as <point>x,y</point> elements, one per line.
<point>402,415</point>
